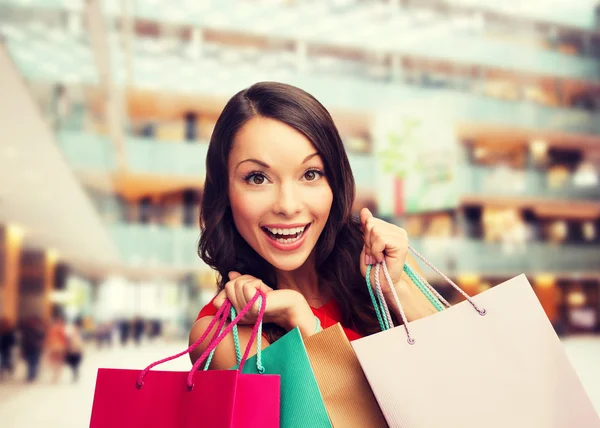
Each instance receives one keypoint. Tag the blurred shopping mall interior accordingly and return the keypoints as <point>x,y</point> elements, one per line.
<point>473,124</point>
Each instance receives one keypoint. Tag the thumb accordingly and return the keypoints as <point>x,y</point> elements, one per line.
<point>233,275</point>
<point>365,214</point>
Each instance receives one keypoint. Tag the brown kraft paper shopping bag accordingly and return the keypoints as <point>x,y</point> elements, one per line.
<point>346,392</point>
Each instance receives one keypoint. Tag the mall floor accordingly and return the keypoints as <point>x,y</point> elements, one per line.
<point>68,405</point>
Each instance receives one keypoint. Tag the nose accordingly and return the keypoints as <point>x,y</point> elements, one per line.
<point>287,200</point>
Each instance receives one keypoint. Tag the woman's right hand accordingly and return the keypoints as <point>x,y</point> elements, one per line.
<point>287,308</point>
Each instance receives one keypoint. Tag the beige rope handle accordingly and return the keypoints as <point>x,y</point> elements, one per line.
<point>410,340</point>
<point>481,311</point>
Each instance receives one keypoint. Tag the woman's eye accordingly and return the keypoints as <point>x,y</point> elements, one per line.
<point>257,179</point>
<point>312,175</point>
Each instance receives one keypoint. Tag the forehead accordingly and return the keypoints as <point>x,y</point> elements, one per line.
<point>271,141</point>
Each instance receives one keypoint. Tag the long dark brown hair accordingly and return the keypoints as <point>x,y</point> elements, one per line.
<point>338,248</point>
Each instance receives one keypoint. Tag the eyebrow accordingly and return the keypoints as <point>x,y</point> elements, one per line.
<point>266,166</point>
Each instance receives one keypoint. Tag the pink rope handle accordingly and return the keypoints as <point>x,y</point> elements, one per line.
<point>225,332</point>
<point>220,316</point>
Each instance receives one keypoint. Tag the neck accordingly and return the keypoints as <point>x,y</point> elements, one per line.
<point>303,280</point>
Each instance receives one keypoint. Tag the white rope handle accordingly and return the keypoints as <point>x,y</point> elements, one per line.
<point>481,311</point>
<point>388,278</point>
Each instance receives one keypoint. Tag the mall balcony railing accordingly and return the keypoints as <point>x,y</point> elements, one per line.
<point>532,183</point>
<point>155,245</point>
<point>176,247</point>
<point>332,29</point>
<point>90,152</point>
<point>460,256</point>
<point>86,151</point>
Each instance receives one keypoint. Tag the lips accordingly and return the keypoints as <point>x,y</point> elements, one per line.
<point>285,238</point>
<point>285,233</point>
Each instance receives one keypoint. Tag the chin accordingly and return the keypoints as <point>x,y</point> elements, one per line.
<point>287,263</point>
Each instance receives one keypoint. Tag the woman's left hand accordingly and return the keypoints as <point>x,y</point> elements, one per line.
<point>383,240</point>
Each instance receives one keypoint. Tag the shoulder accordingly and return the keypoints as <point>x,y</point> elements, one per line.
<point>208,310</point>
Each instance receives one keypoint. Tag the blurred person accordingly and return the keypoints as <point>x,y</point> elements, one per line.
<point>56,346</point>
<point>276,215</point>
<point>33,333</point>
<point>124,328</point>
<point>8,340</point>
<point>101,334</point>
<point>138,330</point>
<point>74,350</point>
<point>61,106</point>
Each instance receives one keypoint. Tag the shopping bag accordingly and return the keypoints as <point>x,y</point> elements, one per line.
<point>167,399</point>
<point>301,401</point>
<point>493,360</point>
<point>346,393</point>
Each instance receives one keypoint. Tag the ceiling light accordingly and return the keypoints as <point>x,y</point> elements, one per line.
<point>585,175</point>
<point>52,255</point>
<point>538,148</point>
<point>589,231</point>
<point>480,152</point>
<point>16,232</point>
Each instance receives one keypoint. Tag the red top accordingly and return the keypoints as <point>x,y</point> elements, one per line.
<point>328,314</point>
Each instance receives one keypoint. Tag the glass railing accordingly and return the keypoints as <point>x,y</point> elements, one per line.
<point>569,13</point>
<point>86,151</point>
<point>156,246</point>
<point>501,181</point>
<point>396,34</point>
<point>91,152</point>
<point>345,88</point>
<point>464,256</point>
<point>146,155</point>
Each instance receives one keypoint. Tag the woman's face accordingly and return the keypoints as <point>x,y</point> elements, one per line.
<point>279,196</point>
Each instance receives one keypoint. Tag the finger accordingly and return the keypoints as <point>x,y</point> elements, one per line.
<point>239,292</point>
<point>234,293</point>
<point>378,247</point>
<point>220,299</point>
<point>366,258</point>
<point>368,235</point>
<point>250,291</point>
<point>230,294</point>
<point>365,214</point>
<point>234,275</point>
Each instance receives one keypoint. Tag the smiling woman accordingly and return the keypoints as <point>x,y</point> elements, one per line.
<point>276,216</point>
<point>279,195</point>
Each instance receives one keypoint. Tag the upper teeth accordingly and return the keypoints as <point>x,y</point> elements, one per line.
<point>292,231</point>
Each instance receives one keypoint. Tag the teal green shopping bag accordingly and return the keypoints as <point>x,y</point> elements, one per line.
<point>301,400</point>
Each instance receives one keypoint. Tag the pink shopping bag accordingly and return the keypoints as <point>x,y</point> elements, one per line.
<point>168,399</point>
<point>492,361</point>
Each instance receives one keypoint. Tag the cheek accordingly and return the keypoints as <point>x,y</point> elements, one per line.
<point>321,203</point>
<point>245,209</point>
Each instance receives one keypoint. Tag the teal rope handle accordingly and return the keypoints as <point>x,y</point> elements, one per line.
<point>383,323</point>
<point>417,281</point>
<point>378,304</point>
<point>238,353</point>
<point>238,350</point>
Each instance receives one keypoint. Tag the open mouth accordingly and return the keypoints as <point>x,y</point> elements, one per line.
<point>286,236</point>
